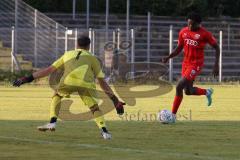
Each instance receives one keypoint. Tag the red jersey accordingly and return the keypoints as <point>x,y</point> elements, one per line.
<point>193,43</point>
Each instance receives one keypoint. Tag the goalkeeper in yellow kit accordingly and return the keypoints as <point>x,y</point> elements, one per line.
<point>80,70</point>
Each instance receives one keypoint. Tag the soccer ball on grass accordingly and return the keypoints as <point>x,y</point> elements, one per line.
<point>166,117</point>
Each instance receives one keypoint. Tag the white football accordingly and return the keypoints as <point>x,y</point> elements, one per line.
<point>166,116</point>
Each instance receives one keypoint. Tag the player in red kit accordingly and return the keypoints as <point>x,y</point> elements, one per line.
<point>192,39</point>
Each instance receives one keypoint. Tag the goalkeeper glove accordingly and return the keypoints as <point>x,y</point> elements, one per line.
<point>18,82</point>
<point>118,105</point>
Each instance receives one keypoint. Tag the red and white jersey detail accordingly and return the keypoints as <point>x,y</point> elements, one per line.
<point>193,43</point>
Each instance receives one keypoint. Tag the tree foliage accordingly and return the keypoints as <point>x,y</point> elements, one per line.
<point>212,8</point>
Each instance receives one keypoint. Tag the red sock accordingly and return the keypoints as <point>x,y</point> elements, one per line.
<point>200,91</point>
<point>176,103</point>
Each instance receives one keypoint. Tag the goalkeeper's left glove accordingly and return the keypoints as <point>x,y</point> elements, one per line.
<point>118,105</point>
<point>18,82</point>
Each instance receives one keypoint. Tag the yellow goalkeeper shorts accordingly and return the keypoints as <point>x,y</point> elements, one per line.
<point>88,96</point>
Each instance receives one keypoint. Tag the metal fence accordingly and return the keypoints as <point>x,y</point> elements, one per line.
<point>42,40</point>
<point>36,36</point>
<point>46,45</point>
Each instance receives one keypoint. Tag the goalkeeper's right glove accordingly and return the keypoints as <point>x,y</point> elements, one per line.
<point>118,105</point>
<point>18,82</point>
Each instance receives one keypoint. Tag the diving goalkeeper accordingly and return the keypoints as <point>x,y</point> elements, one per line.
<point>81,68</point>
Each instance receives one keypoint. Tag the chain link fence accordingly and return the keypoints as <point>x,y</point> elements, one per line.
<point>37,37</point>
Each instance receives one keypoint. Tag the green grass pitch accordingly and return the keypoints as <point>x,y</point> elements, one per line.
<point>212,134</point>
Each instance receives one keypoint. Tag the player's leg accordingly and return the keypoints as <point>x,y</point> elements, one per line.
<point>100,121</point>
<point>179,95</point>
<point>190,90</point>
<point>89,97</point>
<point>54,111</point>
<point>179,92</point>
<point>190,75</point>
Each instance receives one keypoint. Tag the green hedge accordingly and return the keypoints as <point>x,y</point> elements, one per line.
<point>8,76</point>
<point>211,8</point>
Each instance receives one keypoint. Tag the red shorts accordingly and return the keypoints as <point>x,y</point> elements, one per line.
<point>190,71</point>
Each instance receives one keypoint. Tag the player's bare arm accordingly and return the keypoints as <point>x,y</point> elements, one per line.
<point>44,72</point>
<point>107,89</point>
<point>216,64</point>
<point>176,52</point>
<point>36,75</point>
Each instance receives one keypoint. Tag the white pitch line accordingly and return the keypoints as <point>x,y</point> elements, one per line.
<point>163,153</point>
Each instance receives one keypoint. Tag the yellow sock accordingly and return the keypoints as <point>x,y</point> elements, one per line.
<point>55,106</point>
<point>100,121</point>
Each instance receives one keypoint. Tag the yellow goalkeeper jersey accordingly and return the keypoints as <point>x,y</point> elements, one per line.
<point>80,68</point>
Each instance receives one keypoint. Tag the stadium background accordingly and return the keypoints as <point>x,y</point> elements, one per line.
<point>52,32</point>
<point>34,33</point>
<point>128,45</point>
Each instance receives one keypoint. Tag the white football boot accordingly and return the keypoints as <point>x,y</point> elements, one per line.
<point>47,127</point>
<point>106,135</point>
